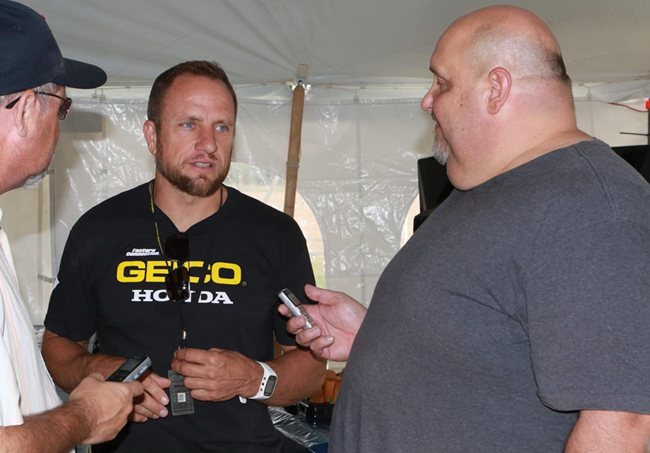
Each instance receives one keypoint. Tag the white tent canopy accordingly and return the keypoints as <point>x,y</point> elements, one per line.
<point>363,130</point>
<point>342,41</point>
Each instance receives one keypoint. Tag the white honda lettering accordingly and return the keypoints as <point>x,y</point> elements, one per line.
<point>142,295</point>
<point>161,296</point>
<point>205,297</point>
<point>221,297</point>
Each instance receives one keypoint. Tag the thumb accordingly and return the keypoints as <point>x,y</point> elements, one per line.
<point>163,382</point>
<point>322,296</point>
<point>135,387</point>
<point>96,377</point>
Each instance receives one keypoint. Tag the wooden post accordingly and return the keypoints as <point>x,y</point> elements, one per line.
<point>295,133</point>
<point>293,158</point>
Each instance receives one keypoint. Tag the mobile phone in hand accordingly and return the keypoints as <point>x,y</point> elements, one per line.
<point>130,370</point>
<point>295,307</point>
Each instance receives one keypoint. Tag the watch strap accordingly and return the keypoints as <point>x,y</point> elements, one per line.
<point>267,385</point>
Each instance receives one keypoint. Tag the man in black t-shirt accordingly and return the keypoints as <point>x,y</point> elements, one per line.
<point>213,318</point>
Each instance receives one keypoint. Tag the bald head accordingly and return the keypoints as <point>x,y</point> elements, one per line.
<point>501,95</point>
<point>509,37</point>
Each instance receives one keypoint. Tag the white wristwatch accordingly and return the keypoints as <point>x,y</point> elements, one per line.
<point>266,386</point>
<point>268,383</point>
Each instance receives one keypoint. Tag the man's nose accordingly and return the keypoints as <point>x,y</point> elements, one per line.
<point>207,141</point>
<point>427,101</point>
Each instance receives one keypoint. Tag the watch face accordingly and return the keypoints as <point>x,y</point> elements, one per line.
<point>270,385</point>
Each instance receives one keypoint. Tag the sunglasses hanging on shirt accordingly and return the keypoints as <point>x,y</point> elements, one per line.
<point>177,248</point>
<point>177,281</point>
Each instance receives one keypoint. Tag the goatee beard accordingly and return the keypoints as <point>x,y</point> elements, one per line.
<point>34,179</point>
<point>200,187</point>
<point>440,148</point>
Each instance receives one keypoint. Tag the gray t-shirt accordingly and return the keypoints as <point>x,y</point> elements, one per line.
<point>515,305</point>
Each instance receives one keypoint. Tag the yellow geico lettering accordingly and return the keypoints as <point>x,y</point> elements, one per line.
<point>216,274</point>
<point>156,271</point>
<point>191,264</point>
<point>130,271</point>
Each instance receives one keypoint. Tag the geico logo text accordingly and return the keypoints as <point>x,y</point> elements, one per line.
<point>155,271</point>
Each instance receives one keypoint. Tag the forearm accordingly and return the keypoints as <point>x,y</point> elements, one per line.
<point>220,375</point>
<point>610,432</point>
<point>300,373</point>
<point>69,362</point>
<point>54,431</point>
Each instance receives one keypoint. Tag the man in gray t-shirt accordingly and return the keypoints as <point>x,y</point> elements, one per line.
<point>517,317</point>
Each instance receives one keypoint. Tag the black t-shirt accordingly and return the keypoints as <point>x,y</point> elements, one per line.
<point>111,281</point>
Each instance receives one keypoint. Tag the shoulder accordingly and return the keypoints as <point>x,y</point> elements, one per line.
<point>597,178</point>
<point>579,196</point>
<point>582,184</point>
<point>611,170</point>
<point>247,207</point>
<point>117,210</point>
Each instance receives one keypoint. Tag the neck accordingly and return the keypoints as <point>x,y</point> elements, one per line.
<point>182,209</point>
<point>546,145</point>
<point>12,171</point>
<point>517,151</point>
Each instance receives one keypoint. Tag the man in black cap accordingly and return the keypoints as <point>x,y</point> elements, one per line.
<point>33,77</point>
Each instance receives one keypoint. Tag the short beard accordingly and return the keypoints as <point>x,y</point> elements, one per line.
<point>440,149</point>
<point>34,179</point>
<point>198,187</point>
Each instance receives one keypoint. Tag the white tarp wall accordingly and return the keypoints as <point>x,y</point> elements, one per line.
<point>358,174</point>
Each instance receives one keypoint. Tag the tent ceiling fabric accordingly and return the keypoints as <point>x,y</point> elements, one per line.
<point>342,41</point>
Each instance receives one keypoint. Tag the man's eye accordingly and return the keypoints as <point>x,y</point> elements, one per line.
<point>188,125</point>
<point>222,128</point>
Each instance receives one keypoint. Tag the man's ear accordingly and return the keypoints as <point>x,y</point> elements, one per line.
<point>500,84</point>
<point>150,137</point>
<point>25,113</point>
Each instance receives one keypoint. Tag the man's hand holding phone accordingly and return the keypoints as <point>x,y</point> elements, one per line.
<point>104,405</point>
<point>295,307</point>
<point>154,399</point>
<point>151,403</point>
<point>337,317</point>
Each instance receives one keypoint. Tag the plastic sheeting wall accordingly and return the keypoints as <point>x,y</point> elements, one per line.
<point>358,175</point>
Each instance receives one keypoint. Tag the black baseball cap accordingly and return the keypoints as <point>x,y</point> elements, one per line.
<point>30,57</point>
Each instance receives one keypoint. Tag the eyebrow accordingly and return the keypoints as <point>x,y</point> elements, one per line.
<point>434,72</point>
<point>199,119</point>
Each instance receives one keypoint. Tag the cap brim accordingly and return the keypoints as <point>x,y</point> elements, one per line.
<point>80,75</point>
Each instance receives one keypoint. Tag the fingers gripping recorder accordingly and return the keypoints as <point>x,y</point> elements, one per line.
<point>130,370</point>
<point>295,307</point>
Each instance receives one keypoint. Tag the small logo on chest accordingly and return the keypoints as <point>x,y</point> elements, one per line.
<point>143,252</point>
